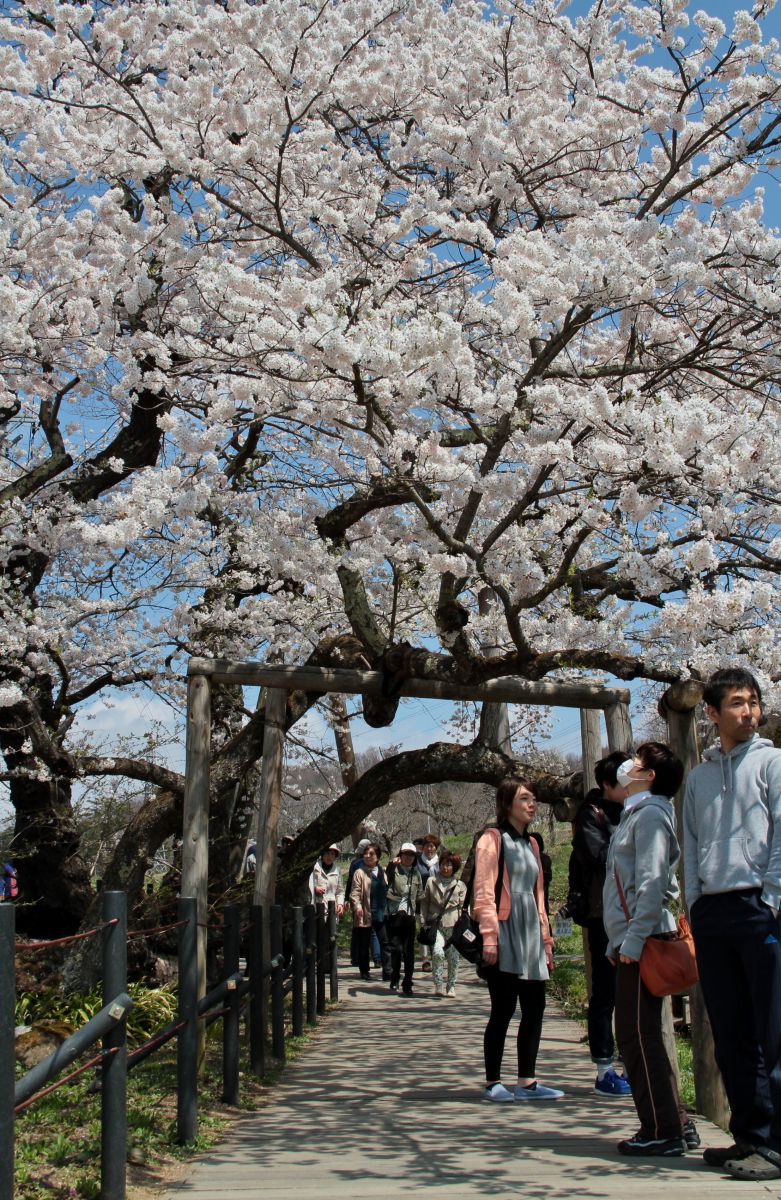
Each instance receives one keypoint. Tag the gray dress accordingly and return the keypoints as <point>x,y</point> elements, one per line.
<point>521,948</point>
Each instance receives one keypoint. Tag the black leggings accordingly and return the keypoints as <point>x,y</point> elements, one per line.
<point>506,991</point>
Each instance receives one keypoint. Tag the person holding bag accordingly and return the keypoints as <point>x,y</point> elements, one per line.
<point>404,890</point>
<point>517,949</point>
<point>442,901</point>
<point>640,885</point>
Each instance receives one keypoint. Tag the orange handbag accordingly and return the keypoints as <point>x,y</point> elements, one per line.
<point>668,963</point>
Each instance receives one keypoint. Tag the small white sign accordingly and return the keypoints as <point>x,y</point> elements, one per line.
<point>562,926</point>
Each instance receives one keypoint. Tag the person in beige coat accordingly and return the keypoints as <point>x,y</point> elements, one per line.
<point>442,902</point>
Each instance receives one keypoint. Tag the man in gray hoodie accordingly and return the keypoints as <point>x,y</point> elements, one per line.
<point>732,874</point>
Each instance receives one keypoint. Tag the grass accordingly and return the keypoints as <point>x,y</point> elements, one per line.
<point>57,1140</point>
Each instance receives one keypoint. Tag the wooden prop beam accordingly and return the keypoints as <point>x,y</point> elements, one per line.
<point>336,679</point>
<point>678,706</point>
<point>270,799</point>
<point>195,832</point>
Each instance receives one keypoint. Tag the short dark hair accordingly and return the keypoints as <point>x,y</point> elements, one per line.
<point>505,794</point>
<point>432,839</point>
<point>725,681</point>
<point>667,767</point>
<point>447,857</point>
<point>605,769</point>
<point>376,847</point>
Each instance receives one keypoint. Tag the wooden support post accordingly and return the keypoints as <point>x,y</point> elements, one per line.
<point>270,797</point>
<point>591,745</point>
<point>195,835</point>
<point>591,750</point>
<point>494,718</point>
<point>619,727</point>
<point>678,707</point>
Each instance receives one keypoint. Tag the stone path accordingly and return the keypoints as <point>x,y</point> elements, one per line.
<point>387,1102</point>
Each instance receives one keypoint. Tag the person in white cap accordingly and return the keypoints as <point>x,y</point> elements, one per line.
<point>325,882</point>
<point>405,887</point>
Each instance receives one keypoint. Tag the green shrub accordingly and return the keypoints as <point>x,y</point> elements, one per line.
<point>152,1008</point>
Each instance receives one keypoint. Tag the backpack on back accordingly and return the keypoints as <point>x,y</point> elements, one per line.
<point>579,881</point>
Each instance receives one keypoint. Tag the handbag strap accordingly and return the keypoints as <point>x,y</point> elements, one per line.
<point>499,873</point>
<point>621,895</point>
<point>447,896</point>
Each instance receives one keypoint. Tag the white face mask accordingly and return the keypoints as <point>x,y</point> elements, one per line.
<point>622,774</point>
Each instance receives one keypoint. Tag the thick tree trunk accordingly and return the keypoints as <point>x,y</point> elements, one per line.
<point>54,882</point>
<point>158,819</point>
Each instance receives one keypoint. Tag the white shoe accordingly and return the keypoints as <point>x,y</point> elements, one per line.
<point>451,991</point>
<point>498,1093</point>
<point>537,1091</point>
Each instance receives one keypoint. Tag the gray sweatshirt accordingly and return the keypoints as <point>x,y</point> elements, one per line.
<point>731,809</point>
<point>644,852</point>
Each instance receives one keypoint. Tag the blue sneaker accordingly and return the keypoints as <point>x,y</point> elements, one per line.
<point>612,1085</point>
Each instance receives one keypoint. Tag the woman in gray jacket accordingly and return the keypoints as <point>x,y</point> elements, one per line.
<point>640,885</point>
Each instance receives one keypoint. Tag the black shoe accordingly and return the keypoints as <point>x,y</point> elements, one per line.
<point>641,1146</point>
<point>406,989</point>
<point>691,1136</point>
<point>394,987</point>
<point>365,975</point>
<point>717,1156</point>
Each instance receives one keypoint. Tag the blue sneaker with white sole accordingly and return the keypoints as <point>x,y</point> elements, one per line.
<point>612,1085</point>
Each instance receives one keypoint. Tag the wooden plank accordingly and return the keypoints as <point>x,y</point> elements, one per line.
<point>270,798</point>
<point>195,833</point>
<point>510,690</point>
<point>708,1084</point>
<point>591,745</point>
<point>619,726</point>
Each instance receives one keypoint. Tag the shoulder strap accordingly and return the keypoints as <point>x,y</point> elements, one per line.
<point>621,896</point>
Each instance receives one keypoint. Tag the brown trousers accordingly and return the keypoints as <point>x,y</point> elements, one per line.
<point>639,1036</point>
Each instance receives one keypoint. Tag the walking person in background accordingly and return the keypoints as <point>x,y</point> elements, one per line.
<point>442,902</point>
<point>594,824</point>
<point>509,904</point>
<point>325,882</point>
<point>640,885</point>
<point>428,865</point>
<point>404,894</point>
<point>369,901</point>
<point>732,852</point>
<point>375,952</point>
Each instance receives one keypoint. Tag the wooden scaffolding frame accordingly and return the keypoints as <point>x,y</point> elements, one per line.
<point>677,707</point>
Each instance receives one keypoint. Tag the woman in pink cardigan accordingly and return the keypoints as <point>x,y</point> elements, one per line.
<point>517,945</point>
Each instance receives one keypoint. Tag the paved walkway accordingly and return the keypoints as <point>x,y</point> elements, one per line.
<point>386,1102</point>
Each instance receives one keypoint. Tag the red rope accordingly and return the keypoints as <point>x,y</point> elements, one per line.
<point>136,933</point>
<point>66,1079</point>
<point>203,925</point>
<point>161,1037</point>
<point>75,937</point>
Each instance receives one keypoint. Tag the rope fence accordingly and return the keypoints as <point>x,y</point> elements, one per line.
<point>301,956</point>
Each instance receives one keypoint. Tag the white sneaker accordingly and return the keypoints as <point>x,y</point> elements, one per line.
<point>498,1093</point>
<point>537,1091</point>
<point>451,991</point>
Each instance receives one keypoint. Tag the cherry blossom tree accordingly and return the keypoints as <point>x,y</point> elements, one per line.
<point>321,320</point>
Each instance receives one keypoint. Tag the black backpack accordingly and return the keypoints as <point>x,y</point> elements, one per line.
<point>579,881</point>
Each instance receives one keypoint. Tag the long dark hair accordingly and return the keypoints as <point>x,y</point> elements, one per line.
<point>505,793</point>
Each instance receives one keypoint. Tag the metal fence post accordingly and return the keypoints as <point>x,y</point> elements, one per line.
<point>277,986</point>
<point>7,1048</point>
<point>187,1041</point>
<point>113,1095</point>
<point>257,994</point>
<point>311,964</point>
<point>333,927</point>
<point>322,943</point>
<point>298,971</point>
<point>230,1022</point>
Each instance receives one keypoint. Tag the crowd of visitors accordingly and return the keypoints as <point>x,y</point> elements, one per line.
<point>623,890</point>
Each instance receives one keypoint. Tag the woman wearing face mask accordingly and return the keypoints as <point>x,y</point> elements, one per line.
<point>509,903</point>
<point>640,885</point>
